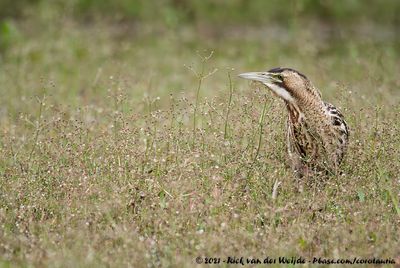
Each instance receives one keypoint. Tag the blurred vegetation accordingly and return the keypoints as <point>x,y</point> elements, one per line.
<point>10,8</point>
<point>223,11</point>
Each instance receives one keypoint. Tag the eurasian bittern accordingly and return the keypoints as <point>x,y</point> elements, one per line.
<point>317,133</point>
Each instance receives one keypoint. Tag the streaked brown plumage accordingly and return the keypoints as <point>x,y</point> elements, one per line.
<point>317,132</point>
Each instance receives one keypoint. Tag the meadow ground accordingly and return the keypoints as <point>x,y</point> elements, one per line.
<point>127,145</point>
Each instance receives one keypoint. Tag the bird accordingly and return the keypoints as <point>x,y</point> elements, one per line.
<point>317,133</point>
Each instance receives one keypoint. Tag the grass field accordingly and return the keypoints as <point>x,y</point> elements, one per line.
<point>131,145</point>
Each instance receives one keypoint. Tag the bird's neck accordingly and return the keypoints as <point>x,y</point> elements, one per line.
<point>306,108</point>
<point>294,113</point>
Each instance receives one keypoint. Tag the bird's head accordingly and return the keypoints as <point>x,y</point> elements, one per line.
<point>287,83</point>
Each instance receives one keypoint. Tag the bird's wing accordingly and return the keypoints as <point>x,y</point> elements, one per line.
<point>340,129</point>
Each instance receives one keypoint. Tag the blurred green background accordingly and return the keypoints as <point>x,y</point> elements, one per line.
<point>177,12</point>
<point>76,44</point>
<point>21,20</point>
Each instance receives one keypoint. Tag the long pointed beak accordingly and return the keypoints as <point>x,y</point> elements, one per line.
<point>272,80</point>
<point>263,77</point>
